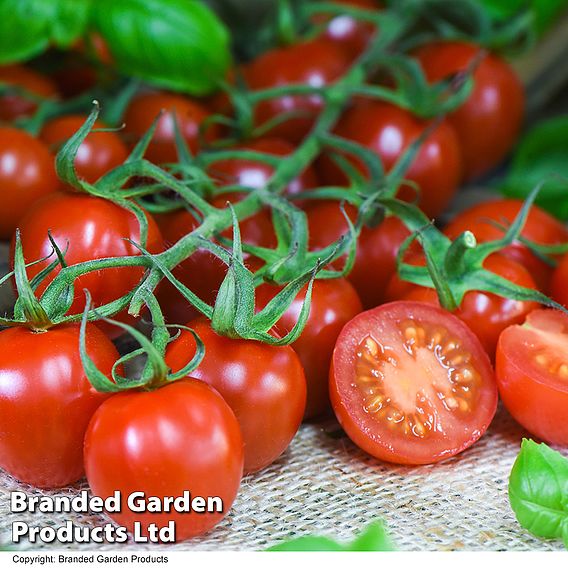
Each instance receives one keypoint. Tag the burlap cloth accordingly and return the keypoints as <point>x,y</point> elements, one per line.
<point>324,484</point>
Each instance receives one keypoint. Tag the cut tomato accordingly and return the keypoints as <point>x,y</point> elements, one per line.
<point>411,384</point>
<point>532,374</point>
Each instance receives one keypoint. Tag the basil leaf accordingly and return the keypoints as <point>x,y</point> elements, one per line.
<point>542,153</point>
<point>373,539</point>
<point>28,27</point>
<point>538,491</point>
<point>179,44</point>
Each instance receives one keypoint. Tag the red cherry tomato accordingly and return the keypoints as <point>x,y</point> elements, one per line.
<point>46,402</point>
<point>264,385</point>
<point>489,122</point>
<point>97,155</point>
<point>487,315</point>
<point>389,131</point>
<point>559,284</point>
<point>190,115</point>
<point>181,437</point>
<point>316,63</point>
<point>26,174</point>
<point>349,33</point>
<point>540,227</point>
<point>377,247</point>
<point>334,303</point>
<point>411,384</point>
<point>14,105</point>
<point>89,228</point>
<point>532,374</point>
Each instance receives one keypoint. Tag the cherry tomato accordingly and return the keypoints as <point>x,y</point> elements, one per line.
<point>97,155</point>
<point>46,401</point>
<point>377,247</point>
<point>190,115</point>
<point>316,63</point>
<point>264,385</point>
<point>411,384</point>
<point>540,227</point>
<point>14,105</point>
<point>350,34</point>
<point>26,174</point>
<point>88,228</point>
<point>487,315</point>
<point>559,284</point>
<point>389,131</point>
<point>489,122</point>
<point>334,303</point>
<point>249,173</point>
<point>532,374</point>
<point>181,437</point>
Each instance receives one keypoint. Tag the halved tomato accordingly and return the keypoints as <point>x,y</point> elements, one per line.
<point>411,384</point>
<point>532,374</point>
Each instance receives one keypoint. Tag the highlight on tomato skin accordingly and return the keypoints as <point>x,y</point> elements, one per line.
<point>532,374</point>
<point>411,384</point>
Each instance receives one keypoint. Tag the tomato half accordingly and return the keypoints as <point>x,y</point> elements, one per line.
<point>389,131</point>
<point>489,122</point>
<point>334,303</point>
<point>316,63</point>
<point>411,384</point>
<point>46,401</point>
<point>540,228</point>
<point>264,385</point>
<point>532,374</point>
<point>189,114</point>
<point>181,437</point>
<point>97,155</point>
<point>26,175</point>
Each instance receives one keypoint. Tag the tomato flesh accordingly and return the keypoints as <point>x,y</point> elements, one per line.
<point>411,384</point>
<point>532,374</point>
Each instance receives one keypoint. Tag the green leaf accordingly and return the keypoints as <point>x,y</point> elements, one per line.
<point>542,153</point>
<point>179,44</point>
<point>538,490</point>
<point>373,539</point>
<point>69,21</point>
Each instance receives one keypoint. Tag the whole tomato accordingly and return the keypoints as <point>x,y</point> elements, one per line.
<point>334,303</point>
<point>26,174</point>
<point>14,105</point>
<point>180,437</point>
<point>316,63</point>
<point>489,122</point>
<point>389,131</point>
<point>190,115</point>
<point>46,401</point>
<point>487,315</point>
<point>540,228</point>
<point>97,155</point>
<point>377,247</point>
<point>559,284</point>
<point>87,228</point>
<point>264,385</point>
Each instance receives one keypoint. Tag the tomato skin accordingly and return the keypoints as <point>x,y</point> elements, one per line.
<point>46,402</point>
<point>540,227</point>
<point>389,131</point>
<point>315,63</point>
<point>487,315</point>
<point>90,228</point>
<point>264,385</point>
<point>376,438</point>
<point>97,155</point>
<point>377,248</point>
<point>559,284</point>
<point>180,437</point>
<point>26,175</point>
<point>489,122</point>
<point>190,115</point>
<point>334,303</point>
<point>532,396</point>
<point>14,106</point>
